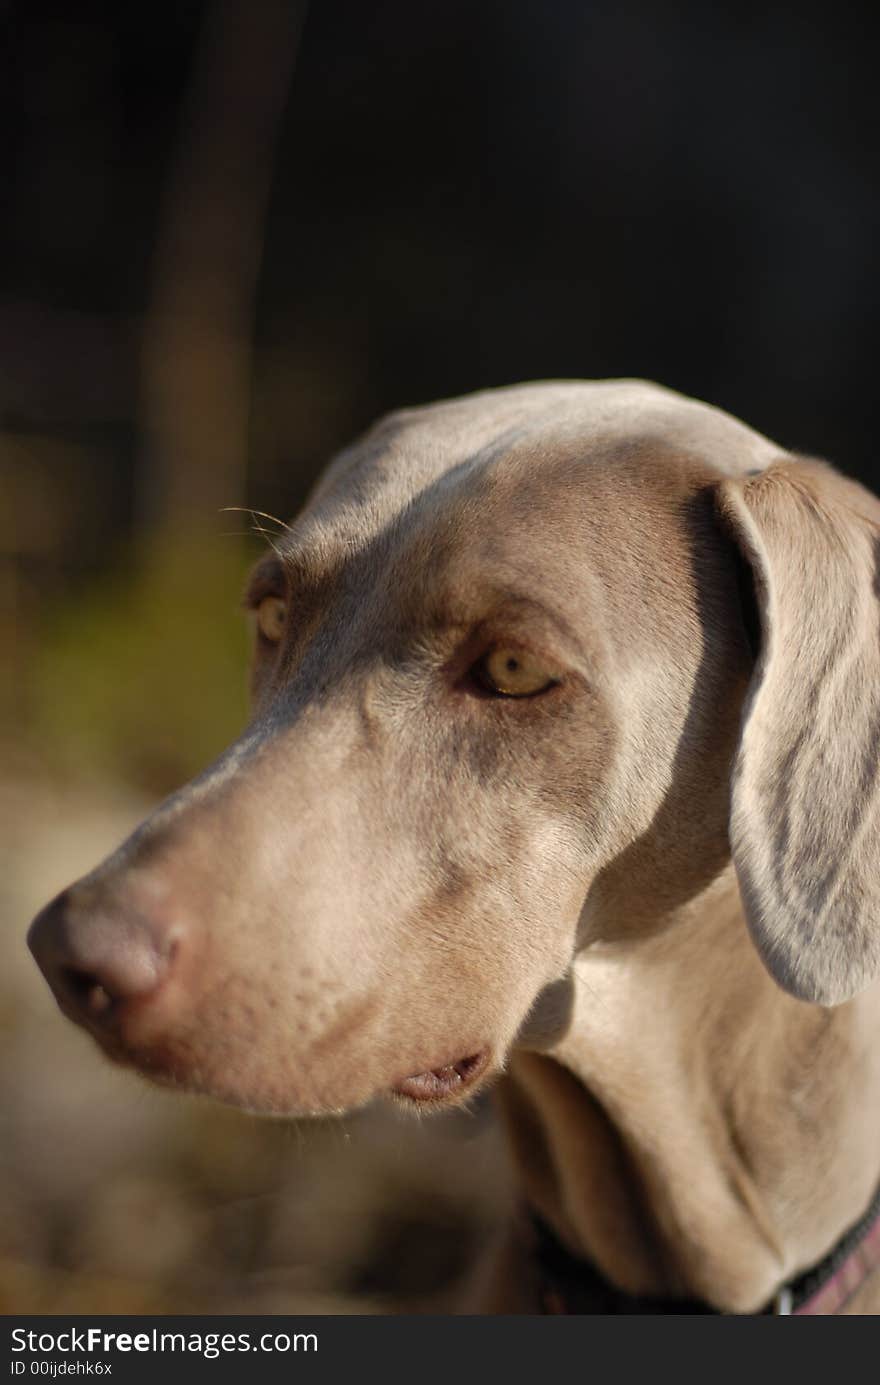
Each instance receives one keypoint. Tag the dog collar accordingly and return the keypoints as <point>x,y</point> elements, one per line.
<point>570,1285</point>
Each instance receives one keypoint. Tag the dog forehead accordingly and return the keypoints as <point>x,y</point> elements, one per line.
<point>422,465</point>
<point>412,449</point>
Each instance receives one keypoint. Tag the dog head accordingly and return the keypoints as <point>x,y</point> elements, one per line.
<point>507,664</point>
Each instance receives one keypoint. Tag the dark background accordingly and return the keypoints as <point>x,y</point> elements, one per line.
<point>462,194</point>
<point>229,239</point>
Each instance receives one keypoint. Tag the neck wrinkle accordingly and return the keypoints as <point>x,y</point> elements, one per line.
<point>667,1136</point>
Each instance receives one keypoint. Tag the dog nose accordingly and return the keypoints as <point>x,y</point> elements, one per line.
<point>99,959</point>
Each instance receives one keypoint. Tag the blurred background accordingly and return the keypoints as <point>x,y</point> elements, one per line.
<point>232,234</point>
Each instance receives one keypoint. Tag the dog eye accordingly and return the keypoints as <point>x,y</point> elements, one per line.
<point>513,673</point>
<point>272,618</point>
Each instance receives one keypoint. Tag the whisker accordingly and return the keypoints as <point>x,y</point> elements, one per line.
<point>268,536</point>
<point>262,514</point>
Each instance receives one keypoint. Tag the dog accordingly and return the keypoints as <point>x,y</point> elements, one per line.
<point>561,776</point>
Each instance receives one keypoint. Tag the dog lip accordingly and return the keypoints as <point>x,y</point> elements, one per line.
<point>449,1079</point>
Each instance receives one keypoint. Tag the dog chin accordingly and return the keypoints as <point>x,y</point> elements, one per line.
<point>255,1094</point>
<point>447,1084</point>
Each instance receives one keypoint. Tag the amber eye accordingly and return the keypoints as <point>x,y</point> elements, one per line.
<point>514,673</point>
<point>272,618</point>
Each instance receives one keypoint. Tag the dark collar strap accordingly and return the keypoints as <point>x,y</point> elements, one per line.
<point>571,1285</point>
<point>830,1285</point>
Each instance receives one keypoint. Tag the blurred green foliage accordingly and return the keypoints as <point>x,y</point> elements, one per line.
<point>144,677</point>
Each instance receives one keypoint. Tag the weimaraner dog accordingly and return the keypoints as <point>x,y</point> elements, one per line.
<point>561,776</point>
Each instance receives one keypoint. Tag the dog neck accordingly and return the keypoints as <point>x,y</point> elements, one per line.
<point>697,1132</point>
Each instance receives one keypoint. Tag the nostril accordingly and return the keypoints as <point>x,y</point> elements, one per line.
<point>85,988</point>
<point>99,956</point>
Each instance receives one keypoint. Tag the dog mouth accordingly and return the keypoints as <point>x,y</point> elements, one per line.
<point>447,1081</point>
<point>171,1064</point>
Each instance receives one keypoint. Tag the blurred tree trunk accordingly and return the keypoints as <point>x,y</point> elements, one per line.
<point>197,345</point>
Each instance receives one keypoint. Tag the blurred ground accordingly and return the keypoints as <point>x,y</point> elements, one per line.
<point>115,1197</point>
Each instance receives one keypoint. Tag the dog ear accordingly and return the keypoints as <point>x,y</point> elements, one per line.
<point>805,810</point>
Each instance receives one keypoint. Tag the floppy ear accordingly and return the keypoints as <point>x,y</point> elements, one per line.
<point>805,812</point>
